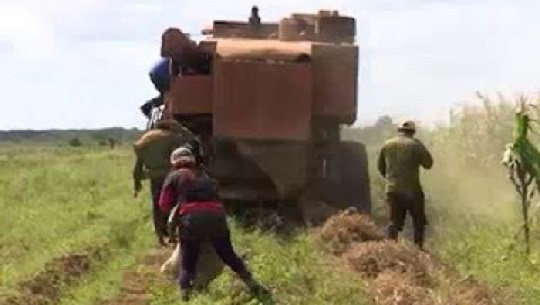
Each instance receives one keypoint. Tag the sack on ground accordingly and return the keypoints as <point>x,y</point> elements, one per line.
<point>209,265</point>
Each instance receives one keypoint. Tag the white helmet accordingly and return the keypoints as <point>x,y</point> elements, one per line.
<point>182,154</point>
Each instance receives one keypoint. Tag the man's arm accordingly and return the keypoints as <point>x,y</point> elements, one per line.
<point>168,195</point>
<point>138,176</point>
<point>381,162</point>
<point>426,159</point>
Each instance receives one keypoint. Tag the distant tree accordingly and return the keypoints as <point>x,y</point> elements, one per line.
<point>74,142</point>
<point>383,128</point>
<point>112,143</point>
<point>100,136</point>
<point>385,123</point>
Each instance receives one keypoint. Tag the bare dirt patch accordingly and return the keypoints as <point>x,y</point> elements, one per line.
<point>47,286</point>
<point>136,284</point>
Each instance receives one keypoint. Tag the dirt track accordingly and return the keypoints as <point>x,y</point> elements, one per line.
<point>48,286</point>
<point>136,284</point>
<point>396,274</point>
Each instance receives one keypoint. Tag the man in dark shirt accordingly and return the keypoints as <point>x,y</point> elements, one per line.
<point>399,163</point>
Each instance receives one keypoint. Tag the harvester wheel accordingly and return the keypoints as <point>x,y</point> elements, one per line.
<point>345,185</point>
<point>315,213</point>
<point>346,181</point>
<point>353,177</point>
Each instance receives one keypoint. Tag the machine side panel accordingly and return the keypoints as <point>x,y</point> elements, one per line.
<point>335,81</point>
<point>262,101</point>
<point>191,94</point>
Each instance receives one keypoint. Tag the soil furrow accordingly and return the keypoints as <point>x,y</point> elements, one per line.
<point>48,286</point>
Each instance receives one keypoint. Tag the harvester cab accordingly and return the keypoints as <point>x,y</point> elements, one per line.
<point>268,101</point>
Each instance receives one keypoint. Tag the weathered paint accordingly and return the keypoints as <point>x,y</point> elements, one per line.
<point>258,100</point>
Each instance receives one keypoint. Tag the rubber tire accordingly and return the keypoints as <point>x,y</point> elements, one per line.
<point>351,188</point>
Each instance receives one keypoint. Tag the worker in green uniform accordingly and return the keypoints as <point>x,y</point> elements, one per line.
<point>399,163</point>
<point>152,152</point>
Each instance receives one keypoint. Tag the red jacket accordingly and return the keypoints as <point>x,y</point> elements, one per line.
<point>192,189</point>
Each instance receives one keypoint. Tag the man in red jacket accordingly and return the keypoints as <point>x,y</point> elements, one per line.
<point>202,218</point>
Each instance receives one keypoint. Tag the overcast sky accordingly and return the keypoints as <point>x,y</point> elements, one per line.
<point>84,63</point>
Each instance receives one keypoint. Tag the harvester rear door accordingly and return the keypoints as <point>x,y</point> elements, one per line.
<point>262,100</point>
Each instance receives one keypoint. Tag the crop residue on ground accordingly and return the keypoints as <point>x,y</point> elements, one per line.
<point>397,273</point>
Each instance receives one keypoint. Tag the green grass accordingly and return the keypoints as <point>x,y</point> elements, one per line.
<point>474,216</point>
<point>472,206</point>
<point>60,199</point>
<point>105,281</point>
<point>55,201</point>
<point>296,270</point>
<point>493,254</point>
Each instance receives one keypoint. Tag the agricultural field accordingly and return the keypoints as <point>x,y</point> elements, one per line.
<point>72,229</point>
<point>72,233</point>
<point>475,213</point>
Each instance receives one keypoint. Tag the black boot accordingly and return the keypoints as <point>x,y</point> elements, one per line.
<point>253,286</point>
<point>419,237</point>
<point>392,233</point>
<point>185,294</point>
<point>161,241</point>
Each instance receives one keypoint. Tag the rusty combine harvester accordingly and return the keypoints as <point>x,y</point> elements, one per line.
<point>268,101</point>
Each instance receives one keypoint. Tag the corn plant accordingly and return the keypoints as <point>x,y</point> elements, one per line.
<point>522,159</point>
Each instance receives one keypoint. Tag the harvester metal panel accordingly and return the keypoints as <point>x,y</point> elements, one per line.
<point>225,28</point>
<point>335,81</point>
<point>191,94</point>
<point>262,49</point>
<point>261,100</point>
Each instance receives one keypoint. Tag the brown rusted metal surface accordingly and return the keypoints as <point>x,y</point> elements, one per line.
<point>336,29</point>
<point>296,29</point>
<point>258,100</point>
<point>208,46</point>
<point>227,29</point>
<point>285,163</point>
<point>191,94</point>
<point>262,49</point>
<point>269,113</point>
<point>335,70</point>
<point>335,81</point>
<point>240,176</point>
<point>261,170</point>
<point>172,42</point>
